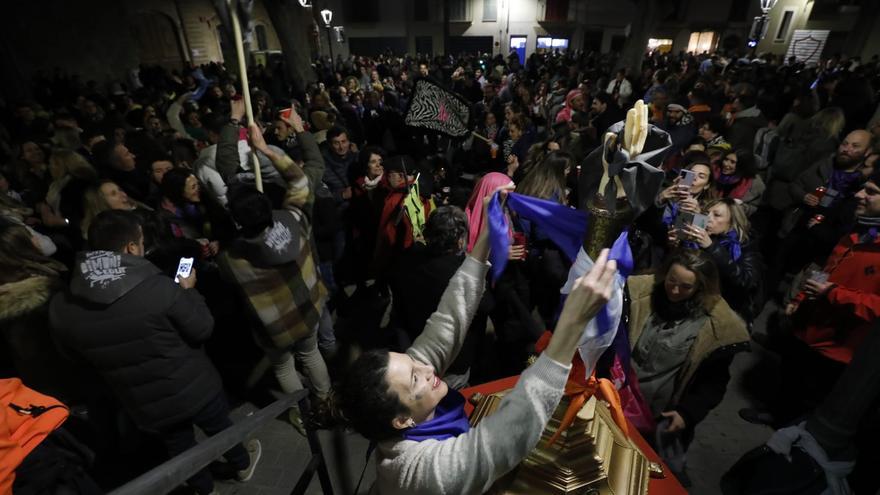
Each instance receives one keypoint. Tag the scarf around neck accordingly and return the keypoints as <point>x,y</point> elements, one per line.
<point>449,421</point>
<point>730,240</point>
<point>370,184</point>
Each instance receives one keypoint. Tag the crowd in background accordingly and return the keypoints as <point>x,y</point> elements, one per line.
<point>104,188</point>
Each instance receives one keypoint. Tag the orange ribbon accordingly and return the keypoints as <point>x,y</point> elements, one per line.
<point>579,393</point>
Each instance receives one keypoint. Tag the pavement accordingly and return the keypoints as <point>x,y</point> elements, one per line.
<point>719,441</point>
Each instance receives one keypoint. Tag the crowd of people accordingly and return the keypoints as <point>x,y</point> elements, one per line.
<point>770,204</point>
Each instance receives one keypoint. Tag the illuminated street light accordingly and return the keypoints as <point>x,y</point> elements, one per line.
<point>759,25</point>
<point>767,6</point>
<point>305,3</point>
<point>327,15</point>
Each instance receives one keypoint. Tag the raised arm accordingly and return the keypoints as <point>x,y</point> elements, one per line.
<point>446,329</point>
<point>227,161</point>
<point>471,462</point>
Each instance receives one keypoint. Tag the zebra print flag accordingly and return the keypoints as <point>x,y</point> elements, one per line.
<point>435,108</point>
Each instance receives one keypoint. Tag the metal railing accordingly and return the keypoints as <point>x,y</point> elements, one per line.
<point>174,472</point>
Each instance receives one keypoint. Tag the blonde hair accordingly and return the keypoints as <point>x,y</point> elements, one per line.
<point>93,204</point>
<point>829,121</point>
<point>739,221</point>
<point>66,162</point>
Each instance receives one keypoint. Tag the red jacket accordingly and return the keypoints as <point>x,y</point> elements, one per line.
<point>835,324</point>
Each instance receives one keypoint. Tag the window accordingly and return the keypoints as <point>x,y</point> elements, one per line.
<point>784,25</point>
<point>546,44</point>
<point>420,11</point>
<point>659,45</point>
<point>702,42</point>
<point>556,10</point>
<point>458,10</point>
<point>260,30</point>
<point>490,11</point>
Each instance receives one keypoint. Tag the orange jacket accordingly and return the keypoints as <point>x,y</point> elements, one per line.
<point>26,418</point>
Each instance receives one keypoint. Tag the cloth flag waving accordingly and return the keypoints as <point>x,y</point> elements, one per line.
<point>435,108</point>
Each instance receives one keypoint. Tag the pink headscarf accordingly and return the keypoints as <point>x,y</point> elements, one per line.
<point>474,209</point>
<point>564,115</point>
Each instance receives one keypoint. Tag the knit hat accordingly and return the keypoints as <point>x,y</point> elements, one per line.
<point>676,106</point>
<point>322,120</point>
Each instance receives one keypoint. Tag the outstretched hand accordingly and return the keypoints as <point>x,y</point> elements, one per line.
<point>586,299</point>
<point>590,292</point>
<point>480,250</point>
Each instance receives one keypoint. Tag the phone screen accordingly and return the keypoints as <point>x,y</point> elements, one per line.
<point>184,268</point>
<point>687,178</point>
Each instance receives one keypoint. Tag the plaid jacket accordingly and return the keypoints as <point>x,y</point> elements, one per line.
<point>277,271</point>
<point>286,298</point>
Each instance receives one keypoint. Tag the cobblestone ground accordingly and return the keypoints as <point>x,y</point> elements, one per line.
<point>720,440</point>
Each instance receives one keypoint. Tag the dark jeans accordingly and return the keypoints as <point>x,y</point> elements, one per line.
<point>212,419</point>
<point>807,378</point>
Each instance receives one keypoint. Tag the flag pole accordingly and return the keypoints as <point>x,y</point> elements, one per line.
<point>245,88</point>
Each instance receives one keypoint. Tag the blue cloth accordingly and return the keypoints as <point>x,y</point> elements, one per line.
<point>563,225</point>
<point>731,241</point>
<point>449,421</point>
<point>669,213</point>
<point>622,254</point>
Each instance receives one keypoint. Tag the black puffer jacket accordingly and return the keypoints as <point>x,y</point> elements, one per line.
<point>142,333</point>
<point>741,280</point>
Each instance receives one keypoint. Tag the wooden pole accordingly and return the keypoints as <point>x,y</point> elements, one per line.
<point>245,88</point>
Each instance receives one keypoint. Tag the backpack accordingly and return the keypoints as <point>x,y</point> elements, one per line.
<point>764,148</point>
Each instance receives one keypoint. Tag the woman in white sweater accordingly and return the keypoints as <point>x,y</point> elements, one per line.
<point>398,400</point>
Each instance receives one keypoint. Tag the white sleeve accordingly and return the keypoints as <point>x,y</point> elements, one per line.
<point>470,463</point>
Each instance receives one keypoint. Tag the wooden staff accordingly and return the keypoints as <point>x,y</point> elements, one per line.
<point>483,138</point>
<point>245,88</point>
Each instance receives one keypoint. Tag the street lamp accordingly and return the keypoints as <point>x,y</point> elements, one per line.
<point>759,25</point>
<point>305,3</point>
<point>327,15</point>
<point>767,6</point>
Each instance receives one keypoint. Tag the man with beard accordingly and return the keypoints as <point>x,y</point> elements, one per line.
<point>839,174</point>
<point>604,113</point>
<point>683,337</point>
<point>831,314</point>
<point>823,199</point>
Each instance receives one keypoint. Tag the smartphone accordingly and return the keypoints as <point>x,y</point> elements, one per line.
<point>683,218</point>
<point>819,277</point>
<point>687,178</point>
<point>184,268</point>
<point>700,220</point>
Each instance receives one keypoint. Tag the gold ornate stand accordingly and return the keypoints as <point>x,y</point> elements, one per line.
<point>592,456</point>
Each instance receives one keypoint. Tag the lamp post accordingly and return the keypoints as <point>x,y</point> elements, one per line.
<point>327,15</point>
<point>759,25</point>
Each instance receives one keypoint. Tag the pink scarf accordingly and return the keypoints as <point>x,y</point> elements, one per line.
<point>474,209</point>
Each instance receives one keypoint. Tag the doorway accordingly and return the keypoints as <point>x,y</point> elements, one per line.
<point>518,45</point>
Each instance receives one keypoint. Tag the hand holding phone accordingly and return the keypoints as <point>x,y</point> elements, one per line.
<point>184,268</point>
<point>687,179</point>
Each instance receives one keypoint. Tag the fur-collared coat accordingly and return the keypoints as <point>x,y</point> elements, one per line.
<point>24,332</point>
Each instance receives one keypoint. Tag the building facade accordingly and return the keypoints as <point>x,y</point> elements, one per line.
<point>527,26</point>
<point>852,26</point>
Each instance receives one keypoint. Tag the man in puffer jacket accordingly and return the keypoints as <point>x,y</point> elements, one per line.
<point>143,333</point>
